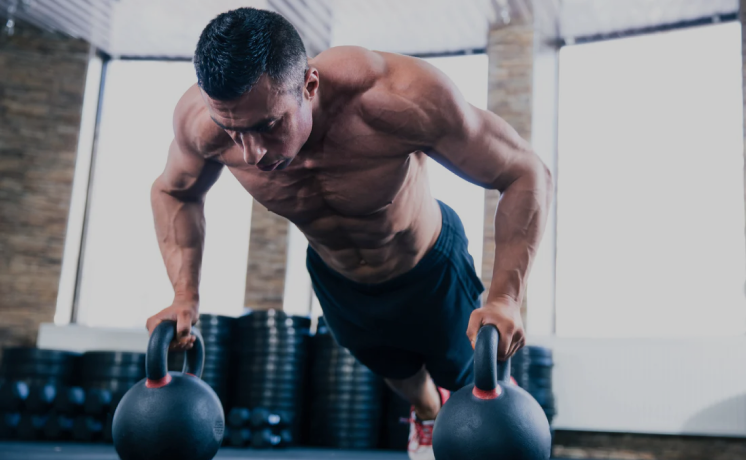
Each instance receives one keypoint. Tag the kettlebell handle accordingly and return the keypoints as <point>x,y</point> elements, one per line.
<point>487,369</point>
<point>156,359</point>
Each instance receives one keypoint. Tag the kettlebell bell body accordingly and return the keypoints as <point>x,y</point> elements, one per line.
<point>491,419</point>
<point>169,415</point>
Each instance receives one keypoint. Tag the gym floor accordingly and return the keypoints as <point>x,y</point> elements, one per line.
<point>57,451</point>
<point>68,451</point>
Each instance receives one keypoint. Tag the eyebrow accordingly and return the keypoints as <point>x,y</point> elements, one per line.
<point>260,124</point>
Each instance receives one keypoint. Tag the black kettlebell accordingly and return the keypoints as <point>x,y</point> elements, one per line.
<point>492,419</point>
<point>169,415</point>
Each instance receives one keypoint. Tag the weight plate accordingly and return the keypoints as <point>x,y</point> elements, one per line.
<point>113,358</point>
<point>215,376</point>
<point>69,400</point>
<point>260,343</point>
<point>58,428</point>
<point>112,385</point>
<point>274,404</point>
<point>31,427</point>
<point>275,316</point>
<point>278,391</point>
<point>13,355</point>
<point>215,341</point>
<point>348,398</point>
<point>114,372</point>
<point>536,351</point>
<point>87,429</point>
<point>342,371</point>
<point>271,354</point>
<point>290,369</point>
<point>356,412</point>
<point>39,369</point>
<point>215,320</point>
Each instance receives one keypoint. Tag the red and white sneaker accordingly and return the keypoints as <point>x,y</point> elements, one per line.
<point>421,433</point>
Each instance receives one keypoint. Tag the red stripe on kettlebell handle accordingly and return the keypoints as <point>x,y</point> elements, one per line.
<point>487,394</point>
<point>512,380</point>
<point>160,383</point>
<point>189,373</point>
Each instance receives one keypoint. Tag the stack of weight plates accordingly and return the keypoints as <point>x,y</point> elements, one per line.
<point>39,367</point>
<point>519,367</point>
<point>31,380</point>
<point>540,378</point>
<point>115,371</point>
<point>270,361</point>
<point>345,397</point>
<point>217,333</point>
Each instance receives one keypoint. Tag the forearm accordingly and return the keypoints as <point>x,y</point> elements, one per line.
<point>180,229</point>
<point>519,225</point>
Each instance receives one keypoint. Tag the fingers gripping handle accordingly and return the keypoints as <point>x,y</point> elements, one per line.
<point>156,360</point>
<point>487,369</point>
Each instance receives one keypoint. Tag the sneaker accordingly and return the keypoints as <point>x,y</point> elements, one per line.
<point>420,445</point>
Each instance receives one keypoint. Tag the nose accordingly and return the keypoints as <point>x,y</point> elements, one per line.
<point>253,149</point>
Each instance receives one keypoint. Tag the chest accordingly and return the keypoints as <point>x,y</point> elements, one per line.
<point>355,179</point>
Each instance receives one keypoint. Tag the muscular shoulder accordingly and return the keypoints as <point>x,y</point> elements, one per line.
<point>349,69</point>
<point>194,131</point>
<point>414,100</point>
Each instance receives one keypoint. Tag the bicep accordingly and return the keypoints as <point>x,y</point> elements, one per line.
<point>188,176</point>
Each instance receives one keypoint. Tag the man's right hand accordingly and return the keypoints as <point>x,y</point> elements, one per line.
<point>185,314</point>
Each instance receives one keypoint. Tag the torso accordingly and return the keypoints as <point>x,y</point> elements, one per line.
<point>362,198</point>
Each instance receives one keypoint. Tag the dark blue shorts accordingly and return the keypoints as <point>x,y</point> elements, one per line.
<point>418,318</point>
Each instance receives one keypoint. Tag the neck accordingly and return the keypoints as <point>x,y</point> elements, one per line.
<point>319,123</point>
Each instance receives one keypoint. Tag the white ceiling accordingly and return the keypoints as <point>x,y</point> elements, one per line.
<point>171,28</point>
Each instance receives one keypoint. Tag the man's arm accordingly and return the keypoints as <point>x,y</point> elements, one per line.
<point>178,198</point>
<point>421,104</point>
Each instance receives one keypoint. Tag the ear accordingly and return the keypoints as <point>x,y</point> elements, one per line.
<point>311,84</point>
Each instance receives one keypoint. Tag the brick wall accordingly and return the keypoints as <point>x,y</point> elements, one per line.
<point>510,50</point>
<point>265,276</point>
<point>42,79</point>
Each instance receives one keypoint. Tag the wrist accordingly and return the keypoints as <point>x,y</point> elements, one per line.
<point>187,296</point>
<point>502,301</point>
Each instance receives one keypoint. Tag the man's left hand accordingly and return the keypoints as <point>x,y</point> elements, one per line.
<point>505,314</point>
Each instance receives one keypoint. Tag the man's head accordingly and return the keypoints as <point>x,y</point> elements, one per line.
<point>253,71</point>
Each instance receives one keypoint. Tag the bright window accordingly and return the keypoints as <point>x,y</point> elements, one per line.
<point>124,280</point>
<point>650,231</point>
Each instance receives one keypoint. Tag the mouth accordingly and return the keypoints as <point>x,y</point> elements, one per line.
<point>271,166</point>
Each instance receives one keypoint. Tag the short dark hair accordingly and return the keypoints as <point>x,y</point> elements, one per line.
<point>239,46</point>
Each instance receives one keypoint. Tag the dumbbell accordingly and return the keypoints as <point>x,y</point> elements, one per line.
<point>97,402</point>
<point>239,417</point>
<point>58,428</point>
<point>13,394</point>
<point>70,401</point>
<point>87,428</point>
<point>240,437</point>
<point>264,439</point>
<point>9,424</point>
<point>31,427</point>
<point>262,418</point>
<point>41,398</point>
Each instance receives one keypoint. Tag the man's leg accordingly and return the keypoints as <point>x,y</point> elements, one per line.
<point>421,392</point>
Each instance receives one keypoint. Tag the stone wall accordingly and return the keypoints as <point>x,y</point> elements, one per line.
<point>265,276</point>
<point>42,80</point>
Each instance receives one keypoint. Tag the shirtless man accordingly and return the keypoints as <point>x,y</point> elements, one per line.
<point>338,145</point>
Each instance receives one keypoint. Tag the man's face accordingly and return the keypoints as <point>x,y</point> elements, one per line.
<point>269,125</point>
